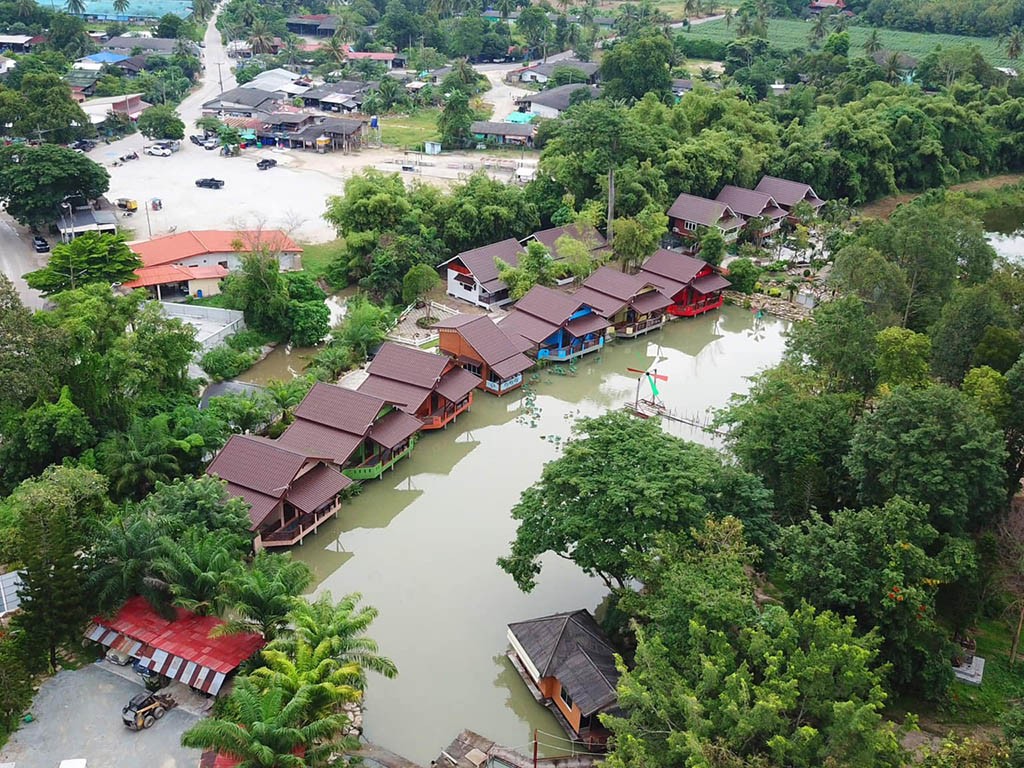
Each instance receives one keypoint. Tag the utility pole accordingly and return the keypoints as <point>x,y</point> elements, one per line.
<point>220,80</point>
<point>149,227</point>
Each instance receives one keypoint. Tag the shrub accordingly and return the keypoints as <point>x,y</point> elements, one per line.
<point>245,340</point>
<point>223,362</point>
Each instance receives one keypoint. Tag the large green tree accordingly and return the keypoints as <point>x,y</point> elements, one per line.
<point>161,122</point>
<point>34,181</point>
<point>935,446</point>
<point>455,120</point>
<point>636,66</point>
<point>92,257</point>
<point>260,596</point>
<point>620,481</point>
<point>838,342</point>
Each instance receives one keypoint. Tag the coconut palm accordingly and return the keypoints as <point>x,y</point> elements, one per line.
<point>819,29</point>
<point>136,460</point>
<point>505,7</point>
<point>745,25</point>
<point>335,47</point>
<point>343,627</point>
<point>260,596</point>
<point>873,44</point>
<point>390,92</point>
<point>1013,42</point>
<point>261,37</point>
<point>328,682</point>
<point>288,394</point>
<point>121,7</point>
<point>727,16</point>
<point>75,7</point>
<point>892,69</point>
<point>840,21</point>
<point>194,571</point>
<point>464,72</point>
<point>25,9</point>
<point>201,9</point>
<point>271,729</point>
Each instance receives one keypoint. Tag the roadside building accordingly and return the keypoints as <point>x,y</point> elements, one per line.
<point>487,131</point>
<point>589,71</point>
<point>481,347</point>
<point>569,665</point>
<point>430,387</point>
<point>553,102</point>
<point>180,648</point>
<point>243,102</point>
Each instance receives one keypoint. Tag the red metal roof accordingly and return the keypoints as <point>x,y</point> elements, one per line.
<point>184,245</point>
<point>172,273</point>
<point>187,636</point>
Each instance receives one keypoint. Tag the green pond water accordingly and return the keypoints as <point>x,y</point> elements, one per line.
<point>420,544</point>
<point>1004,227</point>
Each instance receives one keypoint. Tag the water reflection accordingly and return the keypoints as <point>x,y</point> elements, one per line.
<point>422,542</point>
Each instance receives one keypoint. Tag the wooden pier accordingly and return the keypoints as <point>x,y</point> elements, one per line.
<point>471,750</point>
<point>645,409</point>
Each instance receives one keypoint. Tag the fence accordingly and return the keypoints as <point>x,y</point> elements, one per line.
<point>212,324</point>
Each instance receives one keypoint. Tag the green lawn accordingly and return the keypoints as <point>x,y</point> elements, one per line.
<point>788,34</point>
<point>410,130</point>
<point>316,256</point>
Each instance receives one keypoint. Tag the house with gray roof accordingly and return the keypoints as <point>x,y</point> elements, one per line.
<point>690,215</point>
<point>503,133</point>
<point>160,46</point>
<point>290,491</point>
<point>428,386</point>
<point>242,102</point>
<point>568,664</point>
<point>554,101</point>
<point>479,345</point>
<point>543,72</point>
<point>473,275</point>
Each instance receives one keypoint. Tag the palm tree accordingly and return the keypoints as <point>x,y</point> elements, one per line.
<point>25,9</point>
<point>840,21</point>
<point>120,562</point>
<point>1013,42</point>
<point>819,29</point>
<point>708,75</point>
<point>327,681</point>
<point>390,91</point>
<point>727,15</point>
<point>201,9</point>
<point>347,28</point>
<point>505,8</point>
<point>136,460</point>
<point>261,37</point>
<point>75,7</point>
<point>261,596</point>
<point>342,627</point>
<point>893,70</point>
<point>745,26</point>
<point>194,571</point>
<point>336,48</point>
<point>873,44</point>
<point>121,7</point>
<point>288,394</point>
<point>271,729</point>
<point>464,72</point>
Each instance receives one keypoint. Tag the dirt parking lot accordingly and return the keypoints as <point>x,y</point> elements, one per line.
<point>77,714</point>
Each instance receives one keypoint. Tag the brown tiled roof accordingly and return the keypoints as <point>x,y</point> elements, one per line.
<point>257,463</point>
<point>547,304</point>
<point>412,366</point>
<point>614,283</point>
<point>710,283</point>
<point>316,487</point>
<point>481,261</point>
<point>788,193</point>
<point>260,505</point>
<point>603,304</point>
<point>700,210</point>
<point>457,321</point>
<point>340,408</point>
<point>650,302</point>
<point>581,326</point>
<point>529,327</point>
<point>395,427</point>
<point>513,365</point>
<point>336,445</point>
<point>408,397</point>
<point>585,233</point>
<point>456,384</point>
<point>747,202</point>
<point>677,267</point>
<point>489,340</point>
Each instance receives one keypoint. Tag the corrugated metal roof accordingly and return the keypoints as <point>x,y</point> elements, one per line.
<point>335,444</point>
<point>650,302</point>
<point>340,408</point>
<point>412,366</point>
<point>394,428</point>
<point>409,397</point>
<point>512,365</point>
<point>710,283</point>
<point>260,505</point>
<point>677,267</point>
<point>481,261</point>
<point>10,583</point>
<point>747,202</point>
<point>585,233</point>
<point>489,340</point>
<point>529,327</point>
<point>265,466</point>
<point>547,304</point>
<point>456,384</point>
<point>700,210</point>
<point>587,324</point>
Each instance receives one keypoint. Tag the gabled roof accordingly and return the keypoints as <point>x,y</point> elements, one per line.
<point>339,408</point>
<point>185,245</point>
<point>788,193</point>
<point>560,97</point>
<point>548,304</point>
<point>548,68</point>
<point>608,291</point>
<point>245,96</point>
<point>747,202</point>
<point>173,273</point>
<point>572,648</point>
<point>257,463</point>
<point>528,327</point>
<point>710,283</point>
<point>585,233</point>
<point>500,350</point>
<point>162,44</point>
<point>490,128</point>
<point>394,428</point>
<point>481,261</point>
<point>412,366</point>
<point>317,487</point>
<point>676,267</point>
<point>336,445</point>
<point>700,210</point>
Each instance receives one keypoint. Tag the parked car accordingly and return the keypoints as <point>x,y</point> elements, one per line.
<point>170,144</point>
<point>120,658</point>
<point>210,183</point>
<point>158,151</point>
<point>129,156</point>
<point>40,244</point>
<point>211,143</point>
<point>84,144</point>
<point>196,139</point>
<point>265,163</point>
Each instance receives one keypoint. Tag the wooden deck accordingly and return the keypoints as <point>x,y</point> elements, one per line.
<point>455,756</point>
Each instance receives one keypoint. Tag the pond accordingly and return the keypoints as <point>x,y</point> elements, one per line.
<point>1005,229</point>
<point>420,544</point>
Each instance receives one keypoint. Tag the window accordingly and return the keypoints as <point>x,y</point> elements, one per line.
<point>565,697</point>
<point>690,226</point>
<point>474,369</point>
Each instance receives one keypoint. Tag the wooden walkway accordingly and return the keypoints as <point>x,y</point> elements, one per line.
<point>456,755</point>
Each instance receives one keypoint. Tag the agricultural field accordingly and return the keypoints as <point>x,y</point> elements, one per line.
<point>790,33</point>
<point>410,130</point>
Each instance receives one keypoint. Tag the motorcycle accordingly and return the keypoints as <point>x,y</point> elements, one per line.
<point>129,156</point>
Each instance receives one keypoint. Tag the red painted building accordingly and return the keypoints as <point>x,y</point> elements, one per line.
<point>694,285</point>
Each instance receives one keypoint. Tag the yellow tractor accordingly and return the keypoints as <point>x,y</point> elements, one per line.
<point>144,709</point>
<point>131,206</point>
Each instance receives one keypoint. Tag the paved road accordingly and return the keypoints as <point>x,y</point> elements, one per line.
<point>17,257</point>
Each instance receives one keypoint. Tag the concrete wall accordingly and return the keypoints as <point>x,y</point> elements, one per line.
<point>212,324</point>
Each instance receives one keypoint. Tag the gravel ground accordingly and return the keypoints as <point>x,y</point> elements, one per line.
<point>78,714</point>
